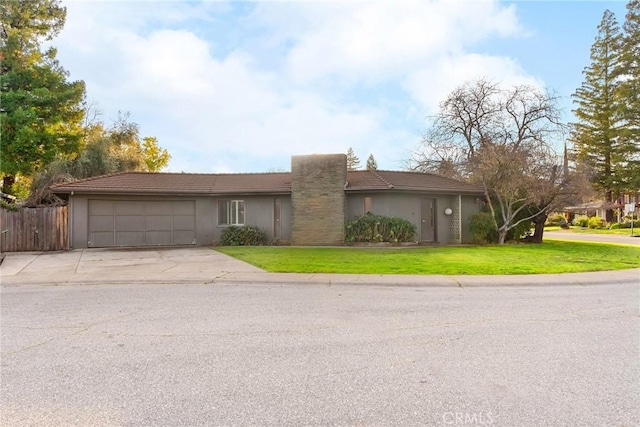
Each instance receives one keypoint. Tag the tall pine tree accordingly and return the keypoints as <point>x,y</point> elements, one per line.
<point>41,114</point>
<point>353,161</point>
<point>630,96</point>
<point>596,135</point>
<point>371,163</point>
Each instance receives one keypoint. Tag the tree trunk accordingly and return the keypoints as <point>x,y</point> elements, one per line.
<point>538,232</point>
<point>502,235</point>
<point>539,221</point>
<point>7,183</point>
<point>609,212</point>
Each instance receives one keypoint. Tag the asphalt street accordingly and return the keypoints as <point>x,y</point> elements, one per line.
<point>316,354</point>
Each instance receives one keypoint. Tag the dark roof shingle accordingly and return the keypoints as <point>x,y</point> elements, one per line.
<point>179,183</point>
<point>255,183</point>
<point>407,181</point>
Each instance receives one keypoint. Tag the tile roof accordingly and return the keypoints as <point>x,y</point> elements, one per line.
<point>407,181</point>
<point>258,183</point>
<point>179,183</point>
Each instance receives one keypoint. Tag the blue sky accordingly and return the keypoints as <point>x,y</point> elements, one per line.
<point>242,86</point>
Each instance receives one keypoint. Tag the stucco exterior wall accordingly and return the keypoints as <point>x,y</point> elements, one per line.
<point>259,212</point>
<point>318,199</point>
<point>408,206</point>
<point>470,205</point>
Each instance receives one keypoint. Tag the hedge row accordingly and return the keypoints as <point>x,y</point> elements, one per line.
<point>243,236</point>
<point>378,228</point>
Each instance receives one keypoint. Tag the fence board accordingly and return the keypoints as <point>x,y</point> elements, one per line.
<point>34,229</point>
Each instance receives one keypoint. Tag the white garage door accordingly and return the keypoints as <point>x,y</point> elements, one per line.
<point>141,223</point>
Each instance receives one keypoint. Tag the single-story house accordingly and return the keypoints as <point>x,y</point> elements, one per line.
<point>626,203</point>
<point>593,208</point>
<point>307,206</point>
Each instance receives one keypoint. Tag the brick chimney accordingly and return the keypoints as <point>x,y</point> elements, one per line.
<point>318,199</point>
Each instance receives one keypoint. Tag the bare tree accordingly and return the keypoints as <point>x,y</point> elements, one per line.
<point>502,140</point>
<point>521,183</point>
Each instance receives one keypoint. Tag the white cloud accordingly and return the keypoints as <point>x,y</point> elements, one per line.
<point>292,84</point>
<point>429,86</point>
<point>383,39</point>
<point>168,65</point>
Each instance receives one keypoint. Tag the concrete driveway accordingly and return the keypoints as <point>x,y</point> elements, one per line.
<point>175,265</point>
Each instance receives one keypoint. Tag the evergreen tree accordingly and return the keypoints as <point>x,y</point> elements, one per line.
<point>630,96</point>
<point>596,135</point>
<point>41,112</point>
<point>372,165</point>
<point>353,162</point>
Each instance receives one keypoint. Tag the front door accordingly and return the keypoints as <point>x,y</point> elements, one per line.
<point>428,220</point>
<point>277,226</point>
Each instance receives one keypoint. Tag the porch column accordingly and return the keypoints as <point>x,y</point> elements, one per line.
<point>456,220</point>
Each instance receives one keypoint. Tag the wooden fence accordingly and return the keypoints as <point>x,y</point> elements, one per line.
<point>34,229</point>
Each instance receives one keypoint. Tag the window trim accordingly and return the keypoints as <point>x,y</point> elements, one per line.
<point>235,212</point>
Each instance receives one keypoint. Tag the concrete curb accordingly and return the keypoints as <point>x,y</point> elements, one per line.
<point>235,278</point>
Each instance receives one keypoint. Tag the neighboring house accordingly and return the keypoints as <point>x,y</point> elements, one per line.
<point>599,208</point>
<point>593,208</point>
<point>308,206</point>
<point>630,199</point>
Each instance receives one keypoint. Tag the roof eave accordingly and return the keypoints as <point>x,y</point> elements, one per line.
<point>416,190</point>
<point>159,192</point>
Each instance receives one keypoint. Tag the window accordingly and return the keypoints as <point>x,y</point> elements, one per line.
<point>231,212</point>
<point>367,204</point>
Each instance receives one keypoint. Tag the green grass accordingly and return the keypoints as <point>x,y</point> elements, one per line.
<point>548,257</point>
<point>580,230</point>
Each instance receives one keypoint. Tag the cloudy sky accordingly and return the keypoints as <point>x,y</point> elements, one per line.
<point>242,86</point>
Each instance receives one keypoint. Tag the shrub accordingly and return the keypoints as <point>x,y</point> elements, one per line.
<point>555,220</point>
<point>9,206</point>
<point>483,230</point>
<point>243,236</point>
<point>625,224</point>
<point>378,228</point>
<point>628,218</point>
<point>520,231</point>
<point>596,223</point>
<point>581,221</point>
<point>615,226</point>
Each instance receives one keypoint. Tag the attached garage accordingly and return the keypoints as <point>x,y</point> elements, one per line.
<point>143,209</point>
<point>141,223</point>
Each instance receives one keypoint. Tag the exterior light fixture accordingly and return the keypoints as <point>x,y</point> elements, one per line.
<point>448,211</point>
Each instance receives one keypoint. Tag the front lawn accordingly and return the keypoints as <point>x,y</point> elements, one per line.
<point>548,257</point>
